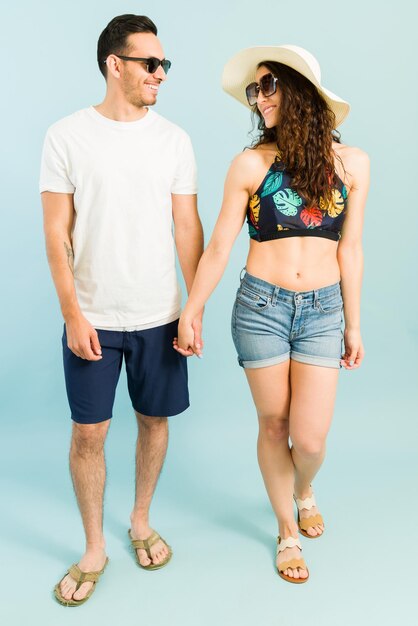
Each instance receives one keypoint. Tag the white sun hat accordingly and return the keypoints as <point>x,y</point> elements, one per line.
<point>241,69</point>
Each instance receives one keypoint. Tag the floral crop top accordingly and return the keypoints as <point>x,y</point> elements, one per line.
<point>276,210</point>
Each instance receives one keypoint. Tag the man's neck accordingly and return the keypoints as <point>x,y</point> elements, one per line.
<point>120,111</point>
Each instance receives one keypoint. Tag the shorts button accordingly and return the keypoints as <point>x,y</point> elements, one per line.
<point>299,297</point>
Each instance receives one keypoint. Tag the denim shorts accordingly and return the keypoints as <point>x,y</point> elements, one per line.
<point>271,324</point>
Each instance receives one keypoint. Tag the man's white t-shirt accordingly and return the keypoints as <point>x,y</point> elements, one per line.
<point>122,175</point>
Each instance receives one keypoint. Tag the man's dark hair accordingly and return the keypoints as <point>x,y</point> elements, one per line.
<point>113,38</point>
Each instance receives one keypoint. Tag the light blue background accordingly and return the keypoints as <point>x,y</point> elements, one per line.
<point>211,502</point>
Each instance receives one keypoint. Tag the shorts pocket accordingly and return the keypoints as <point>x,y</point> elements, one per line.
<point>252,299</point>
<point>330,304</point>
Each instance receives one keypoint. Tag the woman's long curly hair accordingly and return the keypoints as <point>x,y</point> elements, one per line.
<point>303,135</point>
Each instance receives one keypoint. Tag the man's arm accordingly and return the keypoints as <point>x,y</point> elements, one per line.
<point>58,220</point>
<point>188,236</point>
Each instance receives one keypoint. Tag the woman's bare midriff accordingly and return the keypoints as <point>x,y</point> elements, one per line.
<point>295,263</point>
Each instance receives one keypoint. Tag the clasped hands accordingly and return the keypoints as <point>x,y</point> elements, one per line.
<point>189,341</point>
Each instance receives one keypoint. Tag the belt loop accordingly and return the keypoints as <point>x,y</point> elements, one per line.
<point>241,277</point>
<point>316,298</point>
<point>275,295</point>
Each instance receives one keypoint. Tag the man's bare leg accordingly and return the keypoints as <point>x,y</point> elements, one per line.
<point>151,449</point>
<point>88,472</point>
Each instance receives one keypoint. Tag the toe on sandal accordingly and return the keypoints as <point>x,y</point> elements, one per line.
<point>146,544</point>
<point>79,577</point>
<point>307,522</point>
<point>290,542</point>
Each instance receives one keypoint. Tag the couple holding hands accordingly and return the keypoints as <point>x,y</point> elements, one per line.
<point>114,179</point>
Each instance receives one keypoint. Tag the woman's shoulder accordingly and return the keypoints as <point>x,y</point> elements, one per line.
<point>350,155</point>
<point>250,165</point>
<point>355,169</point>
<point>253,157</point>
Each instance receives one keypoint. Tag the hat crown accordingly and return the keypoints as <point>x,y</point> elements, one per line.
<point>309,59</point>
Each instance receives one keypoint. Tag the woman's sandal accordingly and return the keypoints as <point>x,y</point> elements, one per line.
<point>290,542</point>
<point>79,577</point>
<point>307,522</point>
<point>146,544</point>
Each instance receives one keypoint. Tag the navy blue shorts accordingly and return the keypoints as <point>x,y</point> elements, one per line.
<point>157,374</point>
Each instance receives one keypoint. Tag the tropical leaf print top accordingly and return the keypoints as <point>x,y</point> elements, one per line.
<point>276,210</point>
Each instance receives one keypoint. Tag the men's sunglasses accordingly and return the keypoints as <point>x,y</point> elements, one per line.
<point>152,63</point>
<point>267,86</point>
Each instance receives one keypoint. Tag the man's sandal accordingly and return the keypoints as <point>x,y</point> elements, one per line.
<point>290,542</point>
<point>146,544</point>
<point>79,577</point>
<point>307,522</point>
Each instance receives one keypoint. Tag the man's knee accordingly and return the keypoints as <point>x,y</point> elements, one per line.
<point>89,438</point>
<point>151,423</point>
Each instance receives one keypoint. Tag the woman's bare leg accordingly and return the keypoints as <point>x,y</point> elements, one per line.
<point>271,393</point>
<point>311,409</point>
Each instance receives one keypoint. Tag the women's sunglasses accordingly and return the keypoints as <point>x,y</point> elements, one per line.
<point>152,63</point>
<point>267,86</point>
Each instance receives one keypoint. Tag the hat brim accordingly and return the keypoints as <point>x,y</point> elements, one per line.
<point>241,69</point>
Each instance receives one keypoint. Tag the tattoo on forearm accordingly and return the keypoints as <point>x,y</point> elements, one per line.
<point>70,257</point>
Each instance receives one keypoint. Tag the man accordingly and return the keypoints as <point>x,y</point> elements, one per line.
<point>114,178</point>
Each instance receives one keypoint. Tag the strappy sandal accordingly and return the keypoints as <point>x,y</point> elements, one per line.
<point>146,544</point>
<point>290,542</point>
<point>79,577</point>
<point>306,522</point>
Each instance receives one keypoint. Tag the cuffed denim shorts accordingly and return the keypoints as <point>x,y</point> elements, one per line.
<point>271,324</point>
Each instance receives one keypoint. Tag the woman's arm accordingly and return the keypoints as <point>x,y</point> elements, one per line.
<point>350,255</point>
<point>215,258</point>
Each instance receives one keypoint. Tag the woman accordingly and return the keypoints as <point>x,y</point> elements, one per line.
<point>303,193</point>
